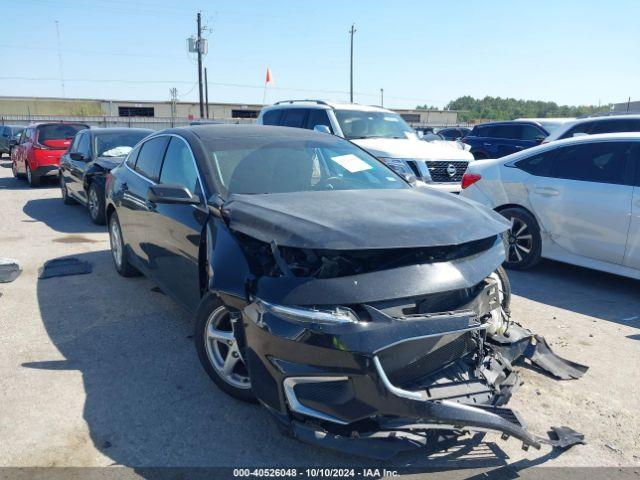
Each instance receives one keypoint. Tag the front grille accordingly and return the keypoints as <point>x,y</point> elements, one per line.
<point>439,170</point>
<point>413,359</point>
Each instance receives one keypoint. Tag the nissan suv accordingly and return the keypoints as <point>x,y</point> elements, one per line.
<point>380,132</point>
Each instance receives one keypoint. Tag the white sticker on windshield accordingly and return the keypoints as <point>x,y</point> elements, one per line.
<point>391,179</point>
<point>351,163</point>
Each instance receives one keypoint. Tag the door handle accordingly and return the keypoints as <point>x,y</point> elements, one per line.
<point>546,191</point>
<point>518,147</point>
<point>487,144</point>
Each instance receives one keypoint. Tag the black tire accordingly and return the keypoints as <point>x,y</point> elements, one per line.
<point>524,243</point>
<point>210,307</point>
<point>66,199</point>
<point>34,180</point>
<point>97,211</point>
<point>480,156</point>
<point>120,260</point>
<point>14,170</point>
<point>505,288</point>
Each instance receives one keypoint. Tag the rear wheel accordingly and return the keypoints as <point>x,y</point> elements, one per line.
<point>218,349</point>
<point>34,180</point>
<point>118,250</point>
<point>524,244</point>
<point>95,204</point>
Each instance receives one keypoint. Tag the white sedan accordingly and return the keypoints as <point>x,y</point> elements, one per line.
<point>573,200</point>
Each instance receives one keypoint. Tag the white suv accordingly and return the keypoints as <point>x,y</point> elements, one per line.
<point>382,133</point>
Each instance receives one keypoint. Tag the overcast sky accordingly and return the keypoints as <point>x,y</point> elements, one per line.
<point>570,52</point>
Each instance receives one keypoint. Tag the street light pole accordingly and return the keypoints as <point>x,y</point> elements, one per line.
<point>382,97</point>
<point>352,31</point>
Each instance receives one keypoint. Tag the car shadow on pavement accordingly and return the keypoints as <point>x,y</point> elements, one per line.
<point>60,217</point>
<point>150,404</point>
<point>581,290</point>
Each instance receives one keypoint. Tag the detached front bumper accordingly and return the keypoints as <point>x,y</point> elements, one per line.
<point>379,387</point>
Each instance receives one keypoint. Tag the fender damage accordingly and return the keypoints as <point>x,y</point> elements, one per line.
<point>374,350</point>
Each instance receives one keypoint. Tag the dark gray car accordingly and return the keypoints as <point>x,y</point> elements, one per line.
<point>8,133</point>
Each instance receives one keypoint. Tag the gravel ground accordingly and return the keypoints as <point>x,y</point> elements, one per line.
<point>99,370</point>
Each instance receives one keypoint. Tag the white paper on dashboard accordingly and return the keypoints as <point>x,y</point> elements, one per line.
<point>351,163</point>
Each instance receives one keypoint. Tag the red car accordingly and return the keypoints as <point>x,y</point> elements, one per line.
<point>39,149</point>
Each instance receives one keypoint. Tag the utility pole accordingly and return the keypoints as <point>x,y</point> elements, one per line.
<point>382,97</point>
<point>352,31</point>
<point>60,57</point>
<point>628,104</point>
<point>174,101</point>
<point>199,46</point>
<point>206,91</point>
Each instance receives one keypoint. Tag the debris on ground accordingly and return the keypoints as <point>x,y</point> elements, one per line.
<point>611,446</point>
<point>9,270</point>
<point>60,267</point>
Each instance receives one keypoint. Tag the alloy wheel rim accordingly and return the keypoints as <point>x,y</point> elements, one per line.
<point>93,203</point>
<point>222,349</point>
<point>116,243</point>
<point>520,241</point>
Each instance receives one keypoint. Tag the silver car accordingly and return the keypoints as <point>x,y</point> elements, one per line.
<point>575,201</point>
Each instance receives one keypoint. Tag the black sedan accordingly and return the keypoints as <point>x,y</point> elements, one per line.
<point>84,166</point>
<point>362,311</point>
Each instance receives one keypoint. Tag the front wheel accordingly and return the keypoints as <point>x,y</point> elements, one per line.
<point>14,170</point>
<point>96,204</point>
<point>218,349</point>
<point>524,244</point>
<point>504,287</point>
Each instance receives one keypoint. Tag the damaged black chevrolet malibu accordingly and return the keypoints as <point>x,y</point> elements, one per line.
<point>367,314</point>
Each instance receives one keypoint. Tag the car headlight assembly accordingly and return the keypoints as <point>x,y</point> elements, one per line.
<point>338,315</point>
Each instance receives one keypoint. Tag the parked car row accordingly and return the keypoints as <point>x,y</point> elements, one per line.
<point>318,268</point>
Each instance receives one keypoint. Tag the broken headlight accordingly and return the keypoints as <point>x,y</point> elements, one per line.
<point>311,315</point>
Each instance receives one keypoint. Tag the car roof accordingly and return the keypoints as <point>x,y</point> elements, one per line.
<point>40,124</point>
<point>226,131</point>
<point>509,122</point>
<point>101,131</point>
<point>326,105</point>
<point>606,118</point>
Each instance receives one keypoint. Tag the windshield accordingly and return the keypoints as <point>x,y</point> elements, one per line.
<point>257,165</point>
<point>551,126</point>
<point>117,144</point>
<point>357,124</point>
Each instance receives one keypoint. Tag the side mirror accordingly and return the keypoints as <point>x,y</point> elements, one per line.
<point>322,129</point>
<point>78,156</point>
<point>540,138</point>
<point>175,194</point>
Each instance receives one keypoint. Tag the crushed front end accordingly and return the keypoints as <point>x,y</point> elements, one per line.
<point>377,352</point>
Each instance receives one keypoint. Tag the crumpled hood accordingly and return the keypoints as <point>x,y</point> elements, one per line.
<point>362,219</point>
<point>412,148</point>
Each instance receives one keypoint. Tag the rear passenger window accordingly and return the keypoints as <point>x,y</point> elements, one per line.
<point>318,117</point>
<point>295,117</point>
<point>612,126</point>
<point>179,166</point>
<point>601,162</point>
<point>540,165</point>
<point>506,131</point>
<point>150,157</point>
<point>272,117</point>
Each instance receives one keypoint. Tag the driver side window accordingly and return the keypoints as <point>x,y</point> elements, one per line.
<point>179,167</point>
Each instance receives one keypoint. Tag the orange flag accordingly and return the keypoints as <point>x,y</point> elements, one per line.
<point>269,79</point>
